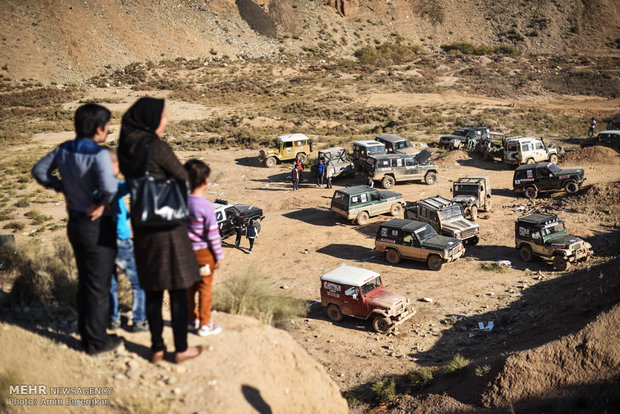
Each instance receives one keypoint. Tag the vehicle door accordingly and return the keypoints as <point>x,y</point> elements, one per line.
<point>433,220</point>
<point>540,153</point>
<point>412,168</point>
<point>352,303</point>
<point>525,151</point>
<point>287,149</point>
<point>537,242</point>
<point>545,180</point>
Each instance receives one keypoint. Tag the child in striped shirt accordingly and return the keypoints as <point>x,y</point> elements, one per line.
<point>204,233</point>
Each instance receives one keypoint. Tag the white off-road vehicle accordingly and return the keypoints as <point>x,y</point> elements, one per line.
<point>529,150</point>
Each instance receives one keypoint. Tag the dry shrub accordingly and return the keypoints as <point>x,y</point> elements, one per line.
<point>283,13</point>
<point>250,294</point>
<point>45,276</point>
<point>385,390</point>
<point>386,54</point>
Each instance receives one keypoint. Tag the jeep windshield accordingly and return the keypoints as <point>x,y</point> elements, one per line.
<point>554,169</point>
<point>467,189</point>
<point>553,229</point>
<point>459,133</point>
<point>371,285</point>
<point>453,211</point>
<point>425,232</point>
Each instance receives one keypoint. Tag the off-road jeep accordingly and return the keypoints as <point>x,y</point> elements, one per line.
<point>607,138</point>
<point>545,235</point>
<point>458,139</point>
<point>357,292</point>
<point>528,150</point>
<point>363,149</point>
<point>546,176</point>
<point>230,217</point>
<point>390,168</point>
<point>337,159</point>
<point>286,148</point>
<point>361,202</point>
<point>399,238</point>
<point>473,193</point>
<point>446,217</point>
<point>397,144</point>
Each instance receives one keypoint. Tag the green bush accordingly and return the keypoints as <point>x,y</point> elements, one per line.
<point>386,54</point>
<point>456,364</point>
<point>250,294</point>
<point>420,377</point>
<point>37,217</point>
<point>493,267</point>
<point>467,48</point>
<point>385,390</point>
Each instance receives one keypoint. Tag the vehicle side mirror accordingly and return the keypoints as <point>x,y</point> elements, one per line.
<point>450,189</point>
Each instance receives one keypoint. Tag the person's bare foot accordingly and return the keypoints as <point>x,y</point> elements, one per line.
<point>189,353</point>
<point>157,356</point>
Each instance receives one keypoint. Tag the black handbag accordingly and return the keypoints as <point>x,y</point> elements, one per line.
<point>157,203</point>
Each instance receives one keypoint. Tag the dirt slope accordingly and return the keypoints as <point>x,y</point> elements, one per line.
<point>74,40</point>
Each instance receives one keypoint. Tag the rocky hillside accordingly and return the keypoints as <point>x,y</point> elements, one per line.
<point>72,40</point>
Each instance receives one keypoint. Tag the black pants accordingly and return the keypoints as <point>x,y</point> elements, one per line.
<point>178,310</point>
<point>94,246</point>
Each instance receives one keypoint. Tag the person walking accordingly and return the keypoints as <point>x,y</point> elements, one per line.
<point>204,233</point>
<point>86,179</point>
<point>164,257</point>
<point>320,173</point>
<point>295,178</point>
<point>592,127</point>
<point>125,260</point>
<point>329,173</point>
<point>251,233</point>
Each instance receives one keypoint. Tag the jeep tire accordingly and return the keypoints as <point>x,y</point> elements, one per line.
<point>392,256</point>
<point>473,212</point>
<point>430,178</point>
<point>381,324</point>
<point>271,162</point>
<point>560,263</point>
<point>531,191</point>
<point>334,313</point>
<point>362,218</point>
<point>388,181</point>
<point>396,210</point>
<point>530,161</point>
<point>526,253</point>
<point>571,187</point>
<point>434,262</point>
<point>553,158</point>
<point>472,241</point>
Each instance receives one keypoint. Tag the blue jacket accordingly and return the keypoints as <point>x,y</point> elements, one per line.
<point>86,174</point>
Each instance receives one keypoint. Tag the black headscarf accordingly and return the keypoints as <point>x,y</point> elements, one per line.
<point>137,132</point>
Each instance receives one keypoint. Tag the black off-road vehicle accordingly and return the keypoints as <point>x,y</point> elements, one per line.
<point>545,235</point>
<point>458,139</point>
<point>532,179</point>
<point>230,217</point>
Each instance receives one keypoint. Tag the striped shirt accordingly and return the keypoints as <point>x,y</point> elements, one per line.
<point>202,226</point>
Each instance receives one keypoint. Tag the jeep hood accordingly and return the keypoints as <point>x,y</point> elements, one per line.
<point>384,299</point>
<point>463,198</point>
<point>571,171</point>
<point>563,241</point>
<point>450,137</point>
<point>460,224</point>
<point>248,210</point>
<point>439,242</point>
<point>423,156</point>
<point>388,194</point>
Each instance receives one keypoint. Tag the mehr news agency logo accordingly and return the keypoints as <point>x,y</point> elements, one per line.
<point>29,395</point>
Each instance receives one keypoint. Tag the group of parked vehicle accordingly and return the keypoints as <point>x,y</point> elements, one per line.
<point>434,230</point>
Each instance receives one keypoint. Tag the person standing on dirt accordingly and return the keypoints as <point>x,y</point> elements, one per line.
<point>329,173</point>
<point>164,256</point>
<point>592,127</point>
<point>320,173</point>
<point>89,186</point>
<point>300,167</point>
<point>295,178</point>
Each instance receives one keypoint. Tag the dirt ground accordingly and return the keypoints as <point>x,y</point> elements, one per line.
<point>301,240</point>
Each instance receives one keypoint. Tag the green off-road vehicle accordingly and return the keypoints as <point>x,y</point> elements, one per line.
<point>361,202</point>
<point>545,235</point>
<point>399,238</point>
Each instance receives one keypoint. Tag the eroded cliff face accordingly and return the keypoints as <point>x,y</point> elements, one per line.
<point>74,40</point>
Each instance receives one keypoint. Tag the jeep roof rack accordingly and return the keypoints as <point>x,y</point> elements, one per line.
<point>292,137</point>
<point>538,219</point>
<point>437,202</point>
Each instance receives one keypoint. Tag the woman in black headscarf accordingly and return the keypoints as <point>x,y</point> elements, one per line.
<point>164,258</point>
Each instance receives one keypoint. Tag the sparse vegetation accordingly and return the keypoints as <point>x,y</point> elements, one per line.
<point>482,370</point>
<point>467,48</point>
<point>37,217</point>
<point>420,377</point>
<point>386,54</point>
<point>458,363</point>
<point>249,294</point>
<point>493,267</point>
<point>385,390</point>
